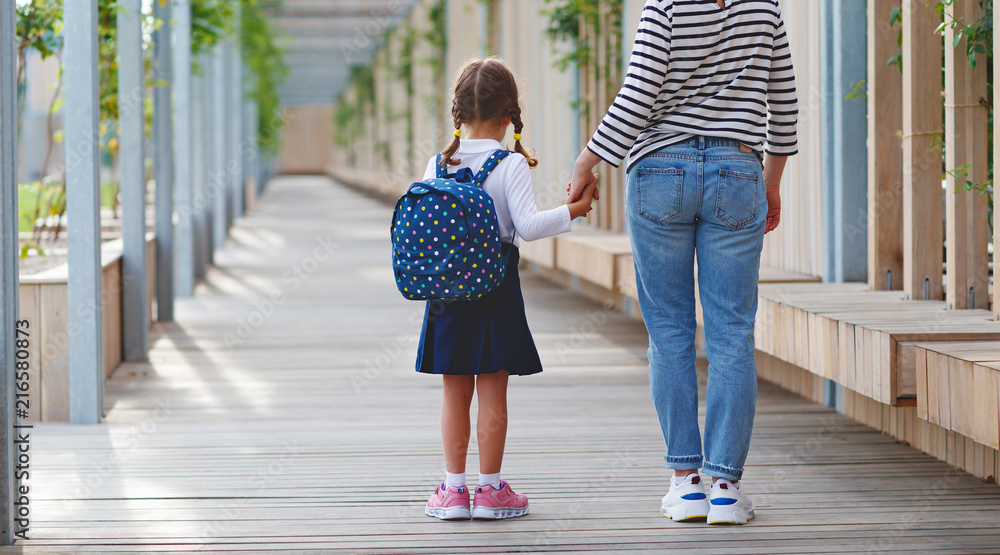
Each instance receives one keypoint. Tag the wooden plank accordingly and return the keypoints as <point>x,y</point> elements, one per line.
<point>985,409</point>
<point>625,276</point>
<point>967,226</point>
<point>885,161</point>
<point>996,216</point>
<point>922,375</point>
<point>944,393</point>
<point>54,355</point>
<point>847,359</point>
<point>542,252</point>
<point>112,316</point>
<point>922,126</point>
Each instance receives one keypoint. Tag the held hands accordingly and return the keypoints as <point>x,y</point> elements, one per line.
<point>584,204</point>
<point>583,175</point>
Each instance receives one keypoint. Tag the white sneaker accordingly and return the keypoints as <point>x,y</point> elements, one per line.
<point>686,501</point>
<point>728,504</point>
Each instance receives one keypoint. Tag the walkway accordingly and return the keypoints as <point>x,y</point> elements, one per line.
<point>281,412</point>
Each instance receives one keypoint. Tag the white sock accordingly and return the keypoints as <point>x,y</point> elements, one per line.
<point>678,481</point>
<point>729,484</point>
<point>454,480</point>
<point>490,480</point>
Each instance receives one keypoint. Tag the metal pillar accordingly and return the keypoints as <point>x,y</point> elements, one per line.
<point>237,175</point>
<point>844,132</point>
<point>131,130</point>
<point>83,230</point>
<point>218,182</point>
<point>206,208</point>
<point>8,267</point>
<point>200,161</point>
<point>253,160</point>
<point>183,139</point>
<point>163,164</point>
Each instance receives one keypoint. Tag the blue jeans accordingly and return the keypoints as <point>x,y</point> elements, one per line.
<point>702,198</point>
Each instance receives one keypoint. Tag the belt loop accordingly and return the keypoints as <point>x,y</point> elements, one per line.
<point>701,142</point>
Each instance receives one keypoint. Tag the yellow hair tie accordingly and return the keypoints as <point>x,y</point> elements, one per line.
<point>517,136</point>
<point>458,133</point>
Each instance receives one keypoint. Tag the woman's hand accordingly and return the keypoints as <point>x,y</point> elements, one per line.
<point>583,205</point>
<point>583,175</point>
<point>773,195</point>
<point>774,166</point>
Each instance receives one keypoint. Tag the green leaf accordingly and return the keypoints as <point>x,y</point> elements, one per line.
<point>895,15</point>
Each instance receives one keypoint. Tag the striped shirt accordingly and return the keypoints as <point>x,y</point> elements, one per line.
<point>697,69</point>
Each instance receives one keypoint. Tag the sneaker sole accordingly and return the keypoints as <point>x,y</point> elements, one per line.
<point>719,516</point>
<point>451,513</point>
<point>685,512</point>
<point>496,513</point>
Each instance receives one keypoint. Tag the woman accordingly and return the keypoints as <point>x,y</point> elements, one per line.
<point>710,89</point>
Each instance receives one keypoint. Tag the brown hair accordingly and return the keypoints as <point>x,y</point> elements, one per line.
<point>485,90</point>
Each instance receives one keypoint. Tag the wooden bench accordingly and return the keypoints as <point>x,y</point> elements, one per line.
<point>864,340</point>
<point>958,387</point>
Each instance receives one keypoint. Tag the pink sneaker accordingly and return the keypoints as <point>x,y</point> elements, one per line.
<point>493,503</point>
<point>449,503</point>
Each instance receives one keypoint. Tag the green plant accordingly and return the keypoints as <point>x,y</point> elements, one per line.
<point>39,28</point>
<point>566,17</point>
<point>978,35</point>
<point>436,36</point>
<point>405,73</point>
<point>858,90</point>
<point>265,60</point>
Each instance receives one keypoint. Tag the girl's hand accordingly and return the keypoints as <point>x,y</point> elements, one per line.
<point>583,174</point>
<point>583,205</point>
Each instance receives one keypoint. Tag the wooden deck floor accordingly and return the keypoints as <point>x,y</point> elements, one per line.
<point>299,425</point>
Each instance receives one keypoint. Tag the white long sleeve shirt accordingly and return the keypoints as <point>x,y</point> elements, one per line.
<point>510,187</point>
<point>698,69</point>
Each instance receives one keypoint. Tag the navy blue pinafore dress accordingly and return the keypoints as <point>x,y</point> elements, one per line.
<point>468,338</point>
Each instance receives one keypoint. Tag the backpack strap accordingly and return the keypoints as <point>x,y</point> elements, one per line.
<point>489,166</point>
<point>442,172</point>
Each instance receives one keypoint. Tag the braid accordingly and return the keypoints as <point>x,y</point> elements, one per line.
<point>515,118</point>
<point>446,154</point>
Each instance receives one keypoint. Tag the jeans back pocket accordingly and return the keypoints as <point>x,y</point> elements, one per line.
<point>659,193</point>
<point>736,204</point>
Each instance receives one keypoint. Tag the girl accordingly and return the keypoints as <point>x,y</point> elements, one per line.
<point>476,345</point>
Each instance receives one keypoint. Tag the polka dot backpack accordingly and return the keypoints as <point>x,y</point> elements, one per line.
<point>446,237</point>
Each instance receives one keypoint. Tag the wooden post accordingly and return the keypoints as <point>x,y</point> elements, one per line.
<point>922,126</point>
<point>967,231</point>
<point>131,131</point>
<point>885,164</point>
<point>996,217</point>
<point>183,149</point>
<point>83,230</point>
<point>8,267</point>
<point>163,137</point>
